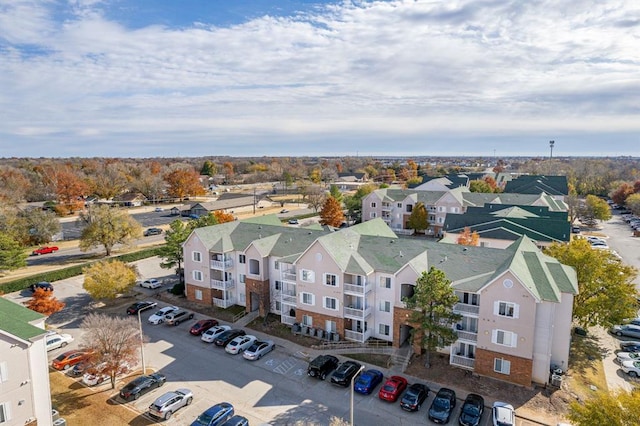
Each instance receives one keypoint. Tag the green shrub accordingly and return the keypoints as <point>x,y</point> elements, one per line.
<point>178,289</point>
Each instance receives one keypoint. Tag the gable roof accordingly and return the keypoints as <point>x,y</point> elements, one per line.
<point>17,320</point>
<point>535,184</point>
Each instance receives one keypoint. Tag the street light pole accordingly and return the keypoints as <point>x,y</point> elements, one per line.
<point>353,380</point>
<point>144,370</point>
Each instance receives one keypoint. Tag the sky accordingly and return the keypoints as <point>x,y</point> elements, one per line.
<point>190,78</point>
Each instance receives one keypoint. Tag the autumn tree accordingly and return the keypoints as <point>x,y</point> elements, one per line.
<point>633,203</point>
<point>480,185</point>
<point>149,184</point>
<point>314,195</point>
<point>41,225</point>
<point>70,190</point>
<point>419,219</point>
<point>208,168</point>
<point>183,182</point>
<point>223,217</point>
<point>108,279</point>
<point>619,196</point>
<point>468,238</point>
<point>331,213</point>
<point>107,226</point>
<point>12,255</point>
<point>597,208</point>
<point>108,180</point>
<point>44,302</point>
<point>14,185</point>
<point>432,313</point>
<point>621,408</point>
<point>228,171</point>
<point>606,292</point>
<point>115,343</point>
<point>315,176</point>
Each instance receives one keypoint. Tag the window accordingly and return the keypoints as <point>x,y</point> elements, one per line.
<point>254,266</point>
<point>243,298</point>
<point>399,205</point>
<point>330,303</point>
<point>454,209</point>
<point>409,208</point>
<point>196,256</point>
<point>383,329</point>
<point>307,275</point>
<point>278,306</point>
<point>385,306</point>
<point>242,258</point>
<point>276,265</point>
<point>373,215</point>
<point>278,285</point>
<point>4,372</point>
<point>307,320</point>
<point>197,275</point>
<point>330,326</point>
<point>242,278</point>
<point>198,294</point>
<point>331,280</point>
<point>307,298</point>
<point>506,309</point>
<point>385,282</point>
<point>442,209</point>
<point>373,205</point>
<point>5,412</point>
<point>505,338</point>
<point>501,365</point>
<point>440,220</point>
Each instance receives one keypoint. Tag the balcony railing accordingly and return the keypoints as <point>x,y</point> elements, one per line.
<point>286,319</point>
<point>386,207</point>
<point>357,336</point>
<point>357,313</point>
<point>357,289</point>
<point>289,276</point>
<point>462,361</point>
<point>467,335</point>
<point>401,231</point>
<point>222,285</point>
<point>222,264</point>
<point>290,299</point>
<point>463,308</point>
<point>224,303</point>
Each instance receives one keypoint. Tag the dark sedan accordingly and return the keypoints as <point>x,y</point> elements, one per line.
<point>139,306</point>
<point>442,406</point>
<point>142,385</point>
<point>201,326</point>
<point>225,337</point>
<point>414,397</point>
<point>630,346</point>
<point>471,411</point>
<point>345,372</point>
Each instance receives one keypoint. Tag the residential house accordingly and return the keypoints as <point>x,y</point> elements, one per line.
<point>350,283</point>
<point>25,398</point>
<point>130,199</point>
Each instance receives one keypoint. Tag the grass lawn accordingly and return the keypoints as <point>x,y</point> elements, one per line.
<point>586,369</point>
<point>375,359</point>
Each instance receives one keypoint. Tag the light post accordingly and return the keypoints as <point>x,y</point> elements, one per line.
<point>144,370</point>
<point>353,380</point>
<point>551,144</point>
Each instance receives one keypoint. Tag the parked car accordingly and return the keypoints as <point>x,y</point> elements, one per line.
<point>631,367</point>
<point>176,317</point>
<point>414,397</point>
<point>344,373</point>
<point>158,209</point>
<point>503,414</point>
<point>367,381</point>
<point>158,317</point>
<point>392,388</point>
<point>292,221</point>
<point>321,366</point>
<point>201,326</point>
<point>69,359</point>
<point>94,375</point>
<point>139,306</point>
<point>575,229</point>
<point>442,406</point>
<point>226,336</point>
<point>152,231</point>
<point>151,283</point>
<point>239,344</point>
<point>55,341</point>
<point>44,285</point>
<point>471,411</point>
<point>141,385</point>
<point>630,346</point>
<point>44,250</point>
<point>170,402</point>
<point>194,216</point>
<point>236,421</point>
<point>81,367</point>
<point>215,416</point>
<point>210,335</point>
<point>626,356</point>
<point>628,330</point>
<point>284,211</point>
<point>635,321</point>
<point>258,349</point>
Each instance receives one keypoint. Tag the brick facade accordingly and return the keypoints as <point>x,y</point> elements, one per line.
<point>207,295</point>
<point>259,289</point>
<point>319,320</point>
<point>400,318</point>
<point>520,371</point>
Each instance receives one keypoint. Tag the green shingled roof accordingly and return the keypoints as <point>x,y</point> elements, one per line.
<point>16,320</point>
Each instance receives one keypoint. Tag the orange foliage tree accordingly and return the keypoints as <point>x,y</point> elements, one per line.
<point>70,189</point>
<point>468,238</point>
<point>331,213</point>
<point>44,302</point>
<point>223,217</point>
<point>183,183</point>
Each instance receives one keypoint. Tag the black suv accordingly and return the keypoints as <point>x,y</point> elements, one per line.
<point>43,285</point>
<point>345,372</point>
<point>322,365</point>
<point>227,336</point>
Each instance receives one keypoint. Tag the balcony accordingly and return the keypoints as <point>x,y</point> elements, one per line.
<point>289,298</point>
<point>286,319</point>
<point>401,231</point>
<point>462,361</point>
<point>224,303</point>
<point>222,264</point>
<point>357,313</point>
<point>463,308</point>
<point>467,335</point>
<point>289,276</point>
<point>222,285</point>
<point>356,289</point>
<point>386,207</point>
<point>357,336</point>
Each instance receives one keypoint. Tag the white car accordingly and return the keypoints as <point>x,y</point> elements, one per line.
<point>239,344</point>
<point>503,414</point>
<point>95,375</point>
<point>55,341</point>
<point>151,283</point>
<point>158,317</point>
<point>210,335</point>
<point>621,357</point>
<point>631,367</point>
<point>258,349</point>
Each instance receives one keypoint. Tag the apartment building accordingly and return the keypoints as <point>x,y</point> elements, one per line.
<point>516,303</point>
<point>25,398</point>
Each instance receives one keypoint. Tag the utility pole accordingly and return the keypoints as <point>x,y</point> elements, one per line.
<point>551,143</point>
<point>254,200</point>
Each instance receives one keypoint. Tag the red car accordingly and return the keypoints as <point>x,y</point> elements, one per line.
<point>392,388</point>
<point>201,326</point>
<point>69,359</point>
<point>44,250</point>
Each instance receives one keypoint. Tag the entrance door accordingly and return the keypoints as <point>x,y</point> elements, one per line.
<point>255,301</point>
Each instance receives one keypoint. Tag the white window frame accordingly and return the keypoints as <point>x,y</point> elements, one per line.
<point>307,320</point>
<point>502,366</point>
<point>509,338</point>
<point>399,205</point>
<point>330,326</point>
<point>385,282</point>
<point>278,306</point>
<point>198,294</point>
<point>503,309</point>
<point>442,209</point>
<point>384,329</point>
<point>326,276</point>
<point>373,205</point>
<point>276,265</point>
<point>4,372</point>
<point>307,275</point>
<point>197,276</point>
<point>311,296</point>
<point>5,410</point>
<point>242,258</point>
<point>335,301</point>
<point>385,306</point>
<point>277,285</point>
<point>242,278</point>
<point>372,215</point>
<point>196,256</point>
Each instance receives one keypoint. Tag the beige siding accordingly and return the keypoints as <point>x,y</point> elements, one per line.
<point>320,262</point>
<point>193,244</point>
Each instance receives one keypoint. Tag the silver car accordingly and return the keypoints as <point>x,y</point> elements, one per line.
<point>170,402</point>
